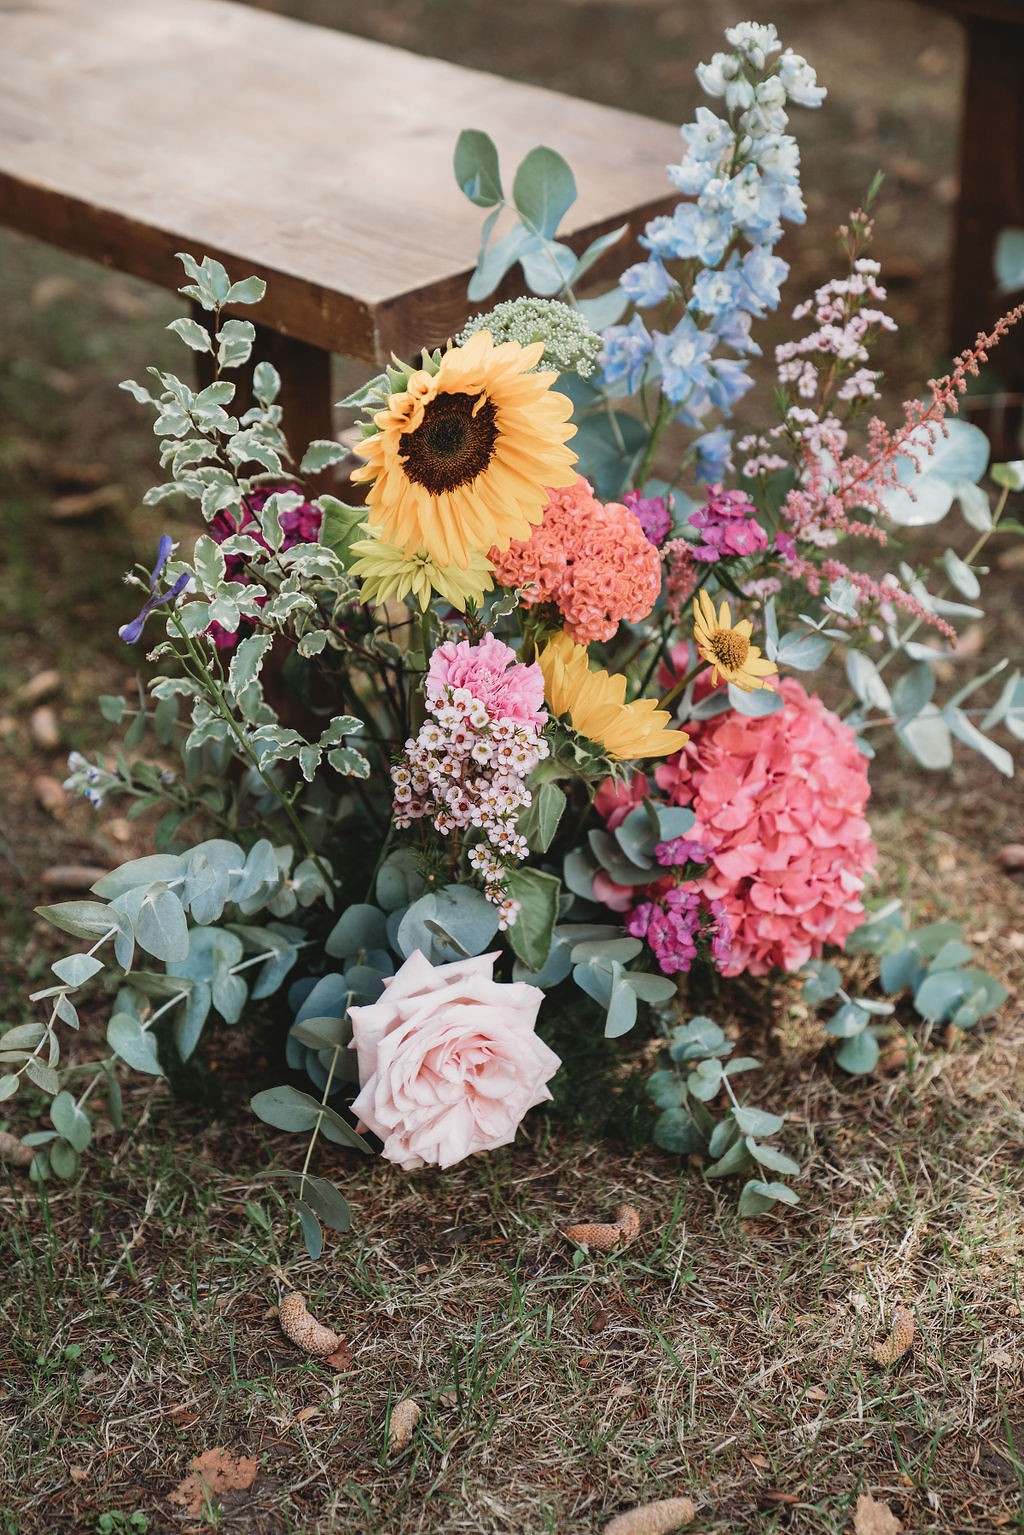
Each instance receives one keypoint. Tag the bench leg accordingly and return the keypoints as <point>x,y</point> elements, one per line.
<point>306,392</point>
<point>991,199</point>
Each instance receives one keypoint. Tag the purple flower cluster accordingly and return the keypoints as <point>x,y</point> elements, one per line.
<point>653,513</point>
<point>680,850</point>
<point>301,525</point>
<point>728,526</point>
<point>673,926</point>
<point>468,772</point>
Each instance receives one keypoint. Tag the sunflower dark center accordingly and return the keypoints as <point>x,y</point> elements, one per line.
<point>730,648</point>
<point>451,445</point>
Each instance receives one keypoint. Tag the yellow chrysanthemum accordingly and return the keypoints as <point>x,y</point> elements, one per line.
<point>462,459</point>
<point>389,573</point>
<point>596,705</point>
<point>726,646</point>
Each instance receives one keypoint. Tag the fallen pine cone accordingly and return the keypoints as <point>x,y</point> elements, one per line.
<point>901,1339</point>
<point>14,1151</point>
<point>404,1418</point>
<point>606,1238</point>
<point>303,1330</point>
<point>653,1518</point>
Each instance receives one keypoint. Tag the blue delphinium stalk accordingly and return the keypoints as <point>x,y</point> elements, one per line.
<point>131,633</point>
<point>713,257</point>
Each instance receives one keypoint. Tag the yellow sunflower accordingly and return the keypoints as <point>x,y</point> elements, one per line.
<point>462,459</point>
<point>726,646</point>
<point>388,572</point>
<point>596,705</point>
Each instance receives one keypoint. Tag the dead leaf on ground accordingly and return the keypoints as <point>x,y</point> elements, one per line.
<point>82,474</point>
<point>12,1150</point>
<point>71,876</point>
<point>304,1330</point>
<point>84,503</point>
<point>38,687</point>
<point>607,1237</point>
<point>124,300</point>
<point>50,795</point>
<point>874,1518</point>
<point>44,728</point>
<point>402,1424</point>
<point>653,1518</point>
<point>215,1471</point>
<point>48,290</point>
<point>900,1341</point>
<point>341,1359</point>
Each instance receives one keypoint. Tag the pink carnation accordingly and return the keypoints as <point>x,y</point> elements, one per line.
<point>780,806</point>
<point>727,523</point>
<point>492,673</point>
<point>593,561</point>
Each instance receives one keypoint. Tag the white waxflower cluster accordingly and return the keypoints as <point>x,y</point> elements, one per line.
<point>468,773</point>
<point>846,315</point>
<point>570,346</point>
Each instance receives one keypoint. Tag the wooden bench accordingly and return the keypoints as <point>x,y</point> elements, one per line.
<point>132,129</point>
<point>991,173</point>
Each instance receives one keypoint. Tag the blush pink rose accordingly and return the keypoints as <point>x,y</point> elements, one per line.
<point>449,1061</point>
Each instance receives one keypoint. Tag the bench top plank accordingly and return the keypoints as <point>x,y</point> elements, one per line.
<point>132,129</point>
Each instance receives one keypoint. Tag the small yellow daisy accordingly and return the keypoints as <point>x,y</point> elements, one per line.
<point>726,646</point>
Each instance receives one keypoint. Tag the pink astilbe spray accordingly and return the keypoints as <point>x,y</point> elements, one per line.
<point>839,491</point>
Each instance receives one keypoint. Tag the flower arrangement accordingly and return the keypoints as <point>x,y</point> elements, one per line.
<point>543,729</point>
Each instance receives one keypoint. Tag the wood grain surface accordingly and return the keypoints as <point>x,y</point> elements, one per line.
<point>131,129</point>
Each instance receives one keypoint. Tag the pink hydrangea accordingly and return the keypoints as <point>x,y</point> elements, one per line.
<point>728,526</point>
<point>779,803</point>
<point>493,674</point>
<point>593,561</point>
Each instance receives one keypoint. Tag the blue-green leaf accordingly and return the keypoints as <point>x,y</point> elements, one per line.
<point>476,168</point>
<point>544,189</point>
<point>133,1044</point>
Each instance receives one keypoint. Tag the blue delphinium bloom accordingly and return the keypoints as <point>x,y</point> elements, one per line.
<point>131,633</point>
<point>717,291</point>
<point>743,174</point>
<point>646,283</point>
<point>761,276</point>
<point>714,455</point>
<point>625,353</point>
<point>683,359</point>
<point>732,327</point>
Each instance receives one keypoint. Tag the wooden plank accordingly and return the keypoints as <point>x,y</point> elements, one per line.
<point>991,171</point>
<point>135,128</point>
<point>1010,11</point>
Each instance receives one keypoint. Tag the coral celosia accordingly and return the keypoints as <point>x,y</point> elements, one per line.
<point>593,561</point>
<point>780,805</point>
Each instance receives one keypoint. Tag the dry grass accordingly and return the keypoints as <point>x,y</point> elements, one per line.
<point>728,1360</point>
